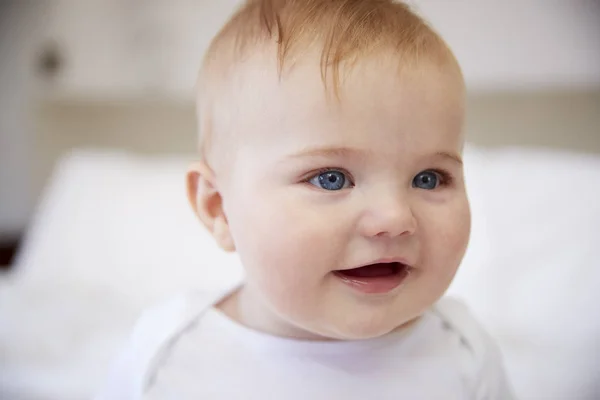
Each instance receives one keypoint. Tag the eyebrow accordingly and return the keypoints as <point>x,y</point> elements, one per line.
<point>341,152</point>
<point>452,156</point>
<point>349,152</point>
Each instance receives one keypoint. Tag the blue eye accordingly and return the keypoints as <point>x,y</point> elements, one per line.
<point>330,180</point>
<point>427,180</point>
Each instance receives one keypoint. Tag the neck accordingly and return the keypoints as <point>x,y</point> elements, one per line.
<point>247,308</point>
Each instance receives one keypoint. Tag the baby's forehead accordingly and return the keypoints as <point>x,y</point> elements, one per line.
<point>377,101</point>
<point>301,91</point>
<point>263,68</point>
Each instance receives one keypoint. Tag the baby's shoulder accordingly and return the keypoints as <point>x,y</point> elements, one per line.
<point>167,316</point>
<point>480,356</point>
<point>455,317</point>
<point>151,339</point>
<point>158,324</point>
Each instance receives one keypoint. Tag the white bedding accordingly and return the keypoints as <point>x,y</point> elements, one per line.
<point>114,233</point>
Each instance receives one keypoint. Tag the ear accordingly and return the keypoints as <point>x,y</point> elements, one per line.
<point>207,203</point>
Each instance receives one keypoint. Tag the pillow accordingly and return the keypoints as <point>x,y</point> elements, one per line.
<point>119,219</point>
<point>113,233</point>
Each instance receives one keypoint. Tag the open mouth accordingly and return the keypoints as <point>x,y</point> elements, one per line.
<point>373,270</point>
<point>375,278</point>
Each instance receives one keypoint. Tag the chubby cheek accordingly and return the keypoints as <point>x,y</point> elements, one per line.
<point>446,234</point>
<point>285,245</point>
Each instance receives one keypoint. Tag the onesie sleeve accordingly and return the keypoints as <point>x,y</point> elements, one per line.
<point>123,382</point>
<point>486,373</point>
<point>492,382</point>
<point>132,369</point>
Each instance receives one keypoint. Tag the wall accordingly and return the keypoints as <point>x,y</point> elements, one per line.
<point>15,194</point>
<point>521,44</point>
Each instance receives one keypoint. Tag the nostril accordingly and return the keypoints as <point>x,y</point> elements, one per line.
<point>389,222</point>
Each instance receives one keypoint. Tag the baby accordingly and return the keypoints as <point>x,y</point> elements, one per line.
<point>331,134</point>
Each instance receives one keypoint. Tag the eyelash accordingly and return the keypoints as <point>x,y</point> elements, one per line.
<point>446,179</point>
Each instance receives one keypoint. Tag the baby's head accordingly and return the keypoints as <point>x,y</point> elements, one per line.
<point>331,139</point>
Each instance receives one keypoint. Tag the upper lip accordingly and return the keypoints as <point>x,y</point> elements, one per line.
<point>386,260</point>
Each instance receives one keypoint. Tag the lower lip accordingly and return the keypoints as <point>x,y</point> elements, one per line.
<point>375,284</point>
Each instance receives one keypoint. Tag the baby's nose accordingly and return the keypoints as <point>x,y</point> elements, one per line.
<point>389,216</point>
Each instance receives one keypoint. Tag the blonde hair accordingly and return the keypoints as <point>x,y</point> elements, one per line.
<point>346,30</point>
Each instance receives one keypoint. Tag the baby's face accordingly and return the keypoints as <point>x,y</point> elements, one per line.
<point>319,187</point>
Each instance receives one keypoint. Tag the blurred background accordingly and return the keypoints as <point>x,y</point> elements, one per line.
<point>115,78</point>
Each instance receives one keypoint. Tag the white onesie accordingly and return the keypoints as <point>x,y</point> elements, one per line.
<point>187,349</point>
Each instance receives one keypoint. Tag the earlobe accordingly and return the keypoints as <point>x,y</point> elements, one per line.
<point>222,235</point>
<point>206,201</point>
